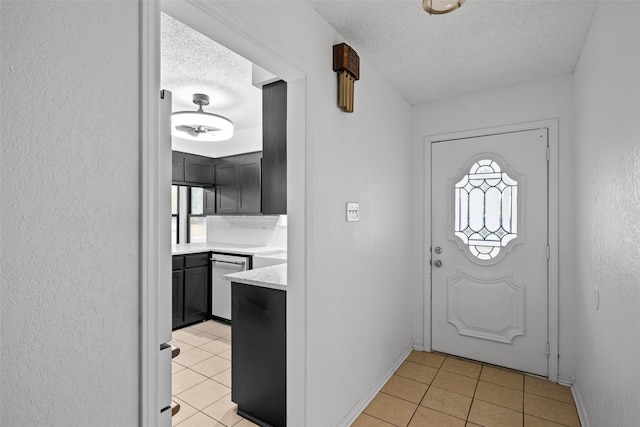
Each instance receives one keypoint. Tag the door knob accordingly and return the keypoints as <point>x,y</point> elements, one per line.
<point>437,263</point>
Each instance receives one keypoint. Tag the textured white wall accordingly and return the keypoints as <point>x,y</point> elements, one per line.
<point>359,285</point>
<point>544,99</point>
<point>607,225</point>
<point>69,213</point>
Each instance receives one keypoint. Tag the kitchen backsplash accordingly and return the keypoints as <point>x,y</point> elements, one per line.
<point>248,230</point>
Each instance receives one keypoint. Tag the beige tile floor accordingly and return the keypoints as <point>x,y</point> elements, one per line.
<point>201,377</point>
<point>431,389</point>
<point>428,389</point>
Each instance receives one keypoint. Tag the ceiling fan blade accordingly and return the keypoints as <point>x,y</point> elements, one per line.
<point>188,129</point>
<point>185,128</point>
<point>212,129</point>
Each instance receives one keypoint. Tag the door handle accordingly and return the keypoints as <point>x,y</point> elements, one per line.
<point>437,263</point>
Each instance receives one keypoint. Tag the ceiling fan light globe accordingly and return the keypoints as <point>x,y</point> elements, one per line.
<point>197,119</point>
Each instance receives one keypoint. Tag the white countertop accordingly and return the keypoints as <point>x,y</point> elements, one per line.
<point>273,277</point>
<point>231,248</point>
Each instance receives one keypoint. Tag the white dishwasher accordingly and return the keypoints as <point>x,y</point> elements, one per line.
<point>222,264</point>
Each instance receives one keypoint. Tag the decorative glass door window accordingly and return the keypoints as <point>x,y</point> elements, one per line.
<point>486,209</point>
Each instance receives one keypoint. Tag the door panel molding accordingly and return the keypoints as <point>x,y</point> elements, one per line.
<point>553,219</point>
<point>503,290</point>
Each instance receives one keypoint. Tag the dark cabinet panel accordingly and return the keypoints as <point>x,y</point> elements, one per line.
<point>177,292</point>
<point>238,184</point>
<point>191,288</point>
<point>177,166</point>
<point>227,188</point>
<point>258,353</point>
<point>196,294</point>
<point>199,169</point>
<point>209,202</point>
<point>191,169</point>
<point>197,260</point>
<point>274,148</point>
<point>249,185</point>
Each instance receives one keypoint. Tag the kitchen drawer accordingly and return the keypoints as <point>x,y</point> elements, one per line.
<point>177,262</point>
<point>197,260</point>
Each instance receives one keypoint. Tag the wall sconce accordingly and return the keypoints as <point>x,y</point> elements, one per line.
<point>346,63</point>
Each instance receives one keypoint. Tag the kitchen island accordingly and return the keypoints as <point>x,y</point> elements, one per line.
<point>259,344</point>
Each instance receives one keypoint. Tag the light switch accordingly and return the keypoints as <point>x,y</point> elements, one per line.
<point>353,212</point>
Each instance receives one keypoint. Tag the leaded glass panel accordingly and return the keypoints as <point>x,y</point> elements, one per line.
<point>486,209</point>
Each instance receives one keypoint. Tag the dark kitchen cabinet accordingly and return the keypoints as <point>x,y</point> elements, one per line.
<point>177,292</point>
<point>191,289</point>
<point>191,169</point>
<point>238,183</point>
<point>259,353</point>
<point>177,167</point>
<point>196,294</point>
<point>199,170</point>
<point>249,184</point>
<point>274,148</point>
<point>227,188</point>
<point>209,207</point>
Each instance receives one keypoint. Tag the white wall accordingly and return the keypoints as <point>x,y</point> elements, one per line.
<point>358,279</point>
<point>260,230</point>
<point>544,99</point>
<point>69,213</point>
<point>607,217</point>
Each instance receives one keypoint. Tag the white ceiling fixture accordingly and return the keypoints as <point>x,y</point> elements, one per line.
<point>200,125</point>
<point>440,7</point>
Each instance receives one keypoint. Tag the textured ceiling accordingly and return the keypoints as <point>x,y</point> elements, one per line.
<point>193,63</point>
<point>483,45</point>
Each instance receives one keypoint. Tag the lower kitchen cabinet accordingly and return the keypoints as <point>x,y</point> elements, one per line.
<point>196,294</point>
<point>191,289</point>
<point>177,292</point>
<point>259,354</point>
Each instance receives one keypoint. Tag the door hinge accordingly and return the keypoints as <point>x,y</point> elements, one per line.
<point>162,93</point>
<point>548,154</point>
<point>548,252</point>
<point>548,350</point>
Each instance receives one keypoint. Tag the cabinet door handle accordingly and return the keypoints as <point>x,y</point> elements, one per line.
<point>229,262</point>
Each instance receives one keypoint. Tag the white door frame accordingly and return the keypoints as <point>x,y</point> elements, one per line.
<point>217,22</point>
<point>552,125</point>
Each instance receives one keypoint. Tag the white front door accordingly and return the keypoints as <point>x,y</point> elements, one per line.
<point>489,249</point>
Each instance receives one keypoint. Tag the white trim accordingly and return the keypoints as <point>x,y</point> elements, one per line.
<point>553,212</point>
<point>375,388</point>
<point>577,398</point>
<point>149,132</point>
<point>216,21</point>
<point>580,406</point>
<point>418,347</point>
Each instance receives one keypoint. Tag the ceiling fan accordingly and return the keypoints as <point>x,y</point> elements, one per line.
<point>200,125</point>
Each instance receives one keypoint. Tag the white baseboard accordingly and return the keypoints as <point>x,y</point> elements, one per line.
<point>577,397</point>
<point>418,347</point>
<point>373,391</point>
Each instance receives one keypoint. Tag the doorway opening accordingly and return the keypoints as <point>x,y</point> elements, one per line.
<point>218,24</point>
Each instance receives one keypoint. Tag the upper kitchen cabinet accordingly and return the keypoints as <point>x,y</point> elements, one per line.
<point>190,169</point>
<point>274,148</point>
<point>238,184</point>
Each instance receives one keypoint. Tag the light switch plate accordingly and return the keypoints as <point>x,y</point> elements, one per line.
<point>353,212</point>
